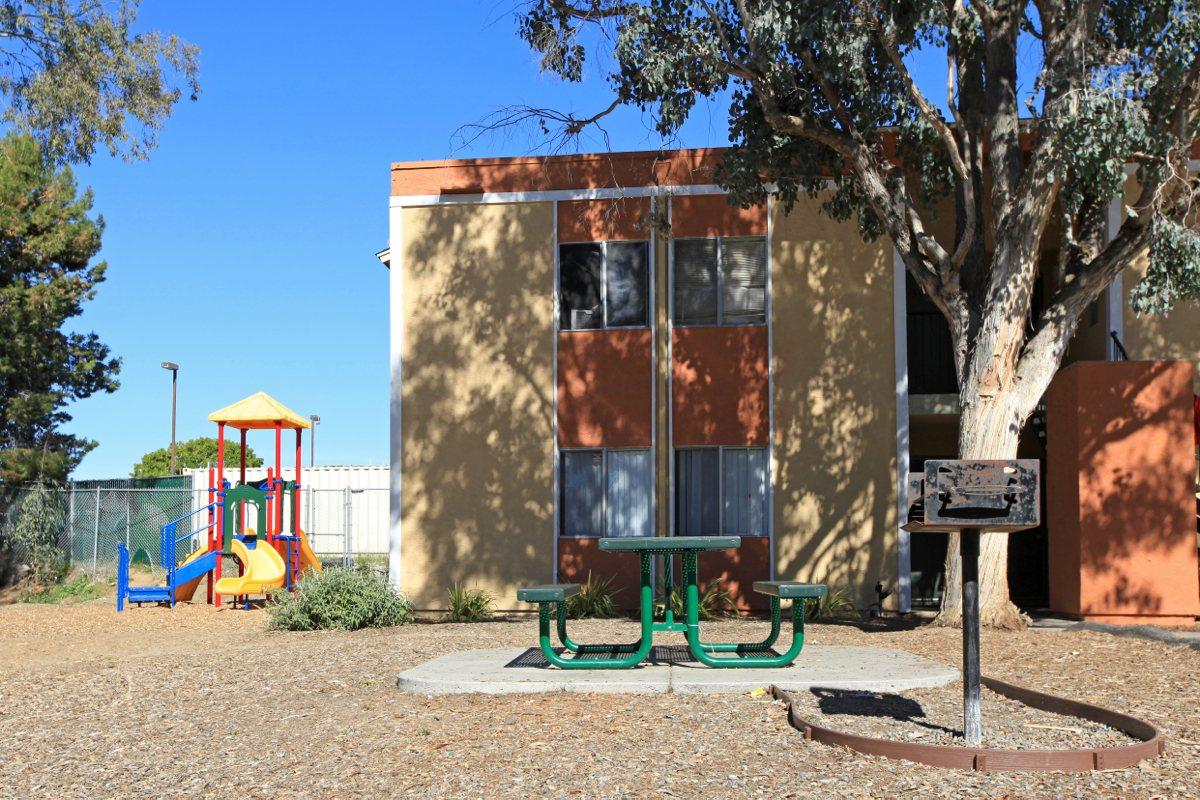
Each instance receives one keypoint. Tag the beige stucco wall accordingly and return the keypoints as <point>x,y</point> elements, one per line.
<point>1174,336</point>
<point>477,399</point>
<point>834,467</point>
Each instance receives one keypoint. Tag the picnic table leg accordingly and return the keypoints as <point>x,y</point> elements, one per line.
<point>703,652</point>
<point>575,647</point>
<point>750,647</point>
<point>631,660</point>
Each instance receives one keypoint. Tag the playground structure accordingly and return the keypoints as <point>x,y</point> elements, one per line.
<point>272,553</point>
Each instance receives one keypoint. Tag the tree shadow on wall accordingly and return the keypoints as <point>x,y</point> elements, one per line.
<point>835,432</point>
<point>477,406</point>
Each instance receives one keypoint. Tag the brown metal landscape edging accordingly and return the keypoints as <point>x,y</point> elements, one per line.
<point>985,759</point>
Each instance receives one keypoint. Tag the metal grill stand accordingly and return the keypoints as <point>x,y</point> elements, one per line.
<point>971,497</point>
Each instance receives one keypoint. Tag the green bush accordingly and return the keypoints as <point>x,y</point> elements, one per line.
<point>837,605</point>
<point>40,518</point>
<point>79,589</point>
<point>469,605</point>
<point>714,602</point>
<point>339,599</point>
<point>594,601</point>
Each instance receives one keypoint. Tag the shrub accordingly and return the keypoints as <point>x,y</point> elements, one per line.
<point>40,517</point>
<point>468,605</point>
<point>837,605</point>
<point>79,589</point>
<point>594,601</point>
<point>714,602</point>
<point>338,599</point>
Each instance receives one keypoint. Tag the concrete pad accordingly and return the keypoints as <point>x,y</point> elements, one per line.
<point>516,670</point>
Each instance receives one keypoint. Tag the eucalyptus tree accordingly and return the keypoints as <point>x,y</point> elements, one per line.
<point>1046,106</point>
<point>77,75</point>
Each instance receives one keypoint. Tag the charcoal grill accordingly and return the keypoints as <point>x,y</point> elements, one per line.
<point>972,497</point>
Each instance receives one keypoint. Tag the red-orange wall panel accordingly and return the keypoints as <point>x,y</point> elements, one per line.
<point>579,557</point>
<point>737,570</point>
<point>719,386</point>
<point>603,220</point>
<point>1120,494</point>
<point>604,380</point>
<point>711,215</point>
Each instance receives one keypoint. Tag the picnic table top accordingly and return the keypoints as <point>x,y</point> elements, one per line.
<point>673,544</point>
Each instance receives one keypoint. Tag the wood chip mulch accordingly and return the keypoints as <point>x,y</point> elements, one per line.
<point>199,702</point>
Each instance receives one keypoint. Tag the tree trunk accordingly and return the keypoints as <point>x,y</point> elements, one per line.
<point>990,428</point>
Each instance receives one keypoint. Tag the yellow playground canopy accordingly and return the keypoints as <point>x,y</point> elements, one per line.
<point>259,411</point>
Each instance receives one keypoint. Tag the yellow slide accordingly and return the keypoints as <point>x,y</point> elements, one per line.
<point>308,559</point>
<point>184,592</point>
<point>264,570</point>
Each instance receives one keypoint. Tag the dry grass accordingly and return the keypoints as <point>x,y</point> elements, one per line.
<point>197,702</point>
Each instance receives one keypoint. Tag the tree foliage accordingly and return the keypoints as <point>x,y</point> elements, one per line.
<point>192,454</point>
<point>47,242</point>
<point>1047,104</point>
<point>76,75</point>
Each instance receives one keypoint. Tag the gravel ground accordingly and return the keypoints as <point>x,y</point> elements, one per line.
<point>200,702</point>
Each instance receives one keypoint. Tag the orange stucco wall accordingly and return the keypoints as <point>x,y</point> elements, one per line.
<point>737,570</point>
<point>603,220</point>
<point>604,386</point>
<point>719,380</point>
<point>712,215</point>
<point>1120,503</point>
<point>579,558</point>
<point>537,173</point>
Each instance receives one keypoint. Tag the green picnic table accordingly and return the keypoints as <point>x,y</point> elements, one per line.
<point>713,654</point>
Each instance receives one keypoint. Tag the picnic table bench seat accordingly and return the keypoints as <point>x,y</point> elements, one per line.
<point>548,592</point>
<point>791,590</point>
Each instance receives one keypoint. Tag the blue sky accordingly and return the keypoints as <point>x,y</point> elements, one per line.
<point>243,249</point>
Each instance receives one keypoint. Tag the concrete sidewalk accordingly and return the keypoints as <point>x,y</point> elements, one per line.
<point>517,670</point>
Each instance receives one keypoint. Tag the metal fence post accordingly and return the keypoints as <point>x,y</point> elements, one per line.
<point>70,525</point>
<point>127,520</point>
<point>349,510</point>
<point>96,533</point>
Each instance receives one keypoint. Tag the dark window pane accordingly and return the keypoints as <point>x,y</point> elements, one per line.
<point>697,492</point>
<point>627,283</point>
<point>744,264</point>
<point>579,277</point>
<point>695,281</point>
<point>583,493</point>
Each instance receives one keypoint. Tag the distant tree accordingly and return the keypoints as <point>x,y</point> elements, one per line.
<point>73,73</point>
<point>47,241</point>
<point>192,454</point>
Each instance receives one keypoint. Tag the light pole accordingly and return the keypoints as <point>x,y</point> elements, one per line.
<point>174,395</point>
<point>312,447</point>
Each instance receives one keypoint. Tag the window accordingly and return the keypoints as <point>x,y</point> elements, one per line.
<point>605,493</point>
<point>721,490</point>
<point>720,281</point>
<point>603,285</point>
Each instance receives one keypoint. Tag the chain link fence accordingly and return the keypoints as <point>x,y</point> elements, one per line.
<point>83,524</point>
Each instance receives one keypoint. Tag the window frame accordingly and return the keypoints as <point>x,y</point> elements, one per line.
<point>719,284</point>
<point>721,450</point>
<point>605,326</point>
<point>604,451</point>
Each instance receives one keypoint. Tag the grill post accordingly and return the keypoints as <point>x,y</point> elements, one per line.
<point>972,716</point>
<point>972,497</point>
